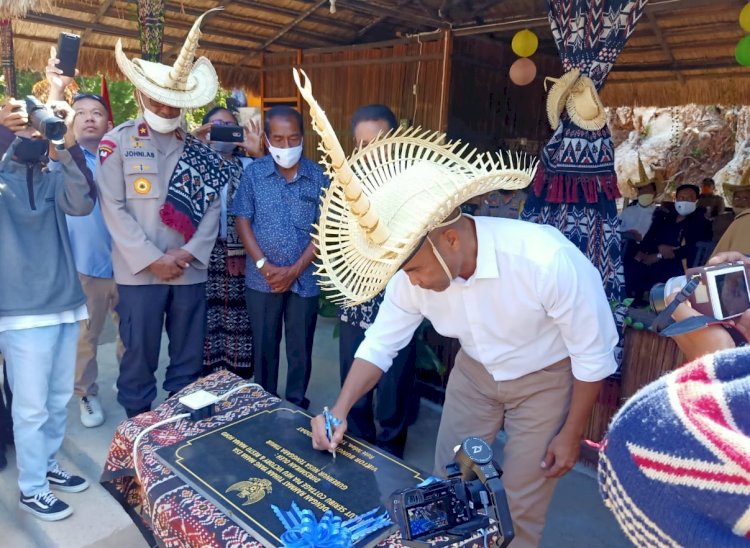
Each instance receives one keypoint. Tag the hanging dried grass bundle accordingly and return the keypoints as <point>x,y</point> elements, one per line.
<point>18,8</point>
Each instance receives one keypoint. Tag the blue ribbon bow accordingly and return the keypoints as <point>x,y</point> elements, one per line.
<point>304,531</point>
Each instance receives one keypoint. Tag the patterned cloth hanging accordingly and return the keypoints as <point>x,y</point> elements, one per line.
<point>7,57</point>
<point>576,186</point>
<point>151,28</point>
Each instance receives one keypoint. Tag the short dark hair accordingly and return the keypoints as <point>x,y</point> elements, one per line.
<point>709,181</point>
<point>374,113</point>
<point>691,186</point>
<point>93,96</point>
<point>283,111</point>
<point>217,108</point>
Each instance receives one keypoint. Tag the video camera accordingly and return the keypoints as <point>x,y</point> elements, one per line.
<point>44,120</point>
<point>723,291</point>
<point>450,508</point>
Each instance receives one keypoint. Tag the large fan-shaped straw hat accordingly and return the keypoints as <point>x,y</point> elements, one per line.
<point>644,180</point>
<point>729,189</point>
<point>584,105</point>
<point>385,198</point>
<point>186,84</point>
<point>558,95</point>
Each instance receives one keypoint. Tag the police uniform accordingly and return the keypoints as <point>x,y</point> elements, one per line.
<point>133,173</point>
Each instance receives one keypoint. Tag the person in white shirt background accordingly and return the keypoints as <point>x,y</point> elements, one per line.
<point>92,248</point>
<point>536,331</point>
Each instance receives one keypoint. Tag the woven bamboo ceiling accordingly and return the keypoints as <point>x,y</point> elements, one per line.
<point>682,50</point>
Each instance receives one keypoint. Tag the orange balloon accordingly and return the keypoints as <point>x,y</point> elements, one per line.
<point>522,71</point>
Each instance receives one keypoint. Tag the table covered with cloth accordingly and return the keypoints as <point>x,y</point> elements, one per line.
<point>163,505</point>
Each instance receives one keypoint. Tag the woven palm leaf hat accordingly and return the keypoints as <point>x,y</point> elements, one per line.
<point>584,105</point>
<point>189,83</point>
<point>385,198</point>
<point>558,95</point>
<point>729,189</point>
<point>644,180</point>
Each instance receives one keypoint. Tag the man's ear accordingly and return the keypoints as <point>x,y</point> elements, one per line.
<point>450,236</point>
<point>110,126</point>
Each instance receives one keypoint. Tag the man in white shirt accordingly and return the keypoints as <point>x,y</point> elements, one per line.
<point>536,330</point>
<point>635,220</point>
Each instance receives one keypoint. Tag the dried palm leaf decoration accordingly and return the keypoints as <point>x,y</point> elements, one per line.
<point>388,195</point>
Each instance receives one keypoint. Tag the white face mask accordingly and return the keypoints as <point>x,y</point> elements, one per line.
<point>645,200</point>
<point>159,124</point>
<point>285,157</point>
<point>684,208</point>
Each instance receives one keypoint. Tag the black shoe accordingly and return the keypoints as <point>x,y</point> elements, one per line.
<point>62,481</point>
<point>134,412</point>
<point>45,506</point>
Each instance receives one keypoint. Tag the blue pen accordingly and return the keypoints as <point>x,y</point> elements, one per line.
<point>329,429</point>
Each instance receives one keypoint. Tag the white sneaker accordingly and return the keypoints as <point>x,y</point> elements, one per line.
<point>91,411</point>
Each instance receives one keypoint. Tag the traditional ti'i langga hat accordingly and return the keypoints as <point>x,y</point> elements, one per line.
<point>387,196</point>
<point>558,95</point>
<point>644,180</point>
<point>674,468</point>
<point>729,189</point>
<point>584,105</point>
<point>186,84</point>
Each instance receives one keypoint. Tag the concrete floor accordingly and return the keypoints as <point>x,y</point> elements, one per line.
<point>576,516</point>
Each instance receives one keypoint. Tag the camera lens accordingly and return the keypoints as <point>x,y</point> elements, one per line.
<point>44,120</point>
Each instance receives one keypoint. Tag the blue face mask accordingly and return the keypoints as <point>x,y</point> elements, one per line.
<point>30,151</point>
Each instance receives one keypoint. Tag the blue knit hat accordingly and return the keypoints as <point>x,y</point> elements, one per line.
<point>675,467</point>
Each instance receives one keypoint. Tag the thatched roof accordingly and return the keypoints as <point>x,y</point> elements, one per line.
<point>682,50</point>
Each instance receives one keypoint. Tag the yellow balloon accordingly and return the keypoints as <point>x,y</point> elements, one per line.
<point>745,18</point>
<point>524,43</point>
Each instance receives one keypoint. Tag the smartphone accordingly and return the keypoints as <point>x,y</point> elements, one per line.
<point>227,134</point>
<point>67,51</point>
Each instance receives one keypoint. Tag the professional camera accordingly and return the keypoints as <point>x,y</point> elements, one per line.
<point>722,292</point>
<point>451,508</point>
<point>44,120</point>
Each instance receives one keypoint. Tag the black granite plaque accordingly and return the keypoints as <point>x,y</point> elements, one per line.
<point>267,458</point>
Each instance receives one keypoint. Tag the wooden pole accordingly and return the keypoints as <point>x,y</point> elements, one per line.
<point>8,58</point>
<point>445,80</point>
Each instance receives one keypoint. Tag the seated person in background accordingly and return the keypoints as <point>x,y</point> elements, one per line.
<point>635,220</point>
<point>669,247</point>
<point>712,203</point>
<point>685,438</point>
<point>507,204</point>
<point>737,236</point>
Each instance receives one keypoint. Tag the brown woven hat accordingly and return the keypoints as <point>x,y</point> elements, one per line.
<point>729,189</point>
<point>584,105</point>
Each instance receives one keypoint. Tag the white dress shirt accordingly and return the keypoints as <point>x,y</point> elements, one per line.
<point>533,300</point>
<point>637,217</point>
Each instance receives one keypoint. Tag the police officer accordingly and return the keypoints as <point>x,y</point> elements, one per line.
<point>160,198</point>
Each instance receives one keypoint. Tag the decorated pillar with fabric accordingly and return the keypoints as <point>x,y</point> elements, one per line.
<point>576,186</point>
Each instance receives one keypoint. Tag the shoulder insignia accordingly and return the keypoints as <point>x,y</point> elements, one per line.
<point>143,131</point>
<point>106,148</point>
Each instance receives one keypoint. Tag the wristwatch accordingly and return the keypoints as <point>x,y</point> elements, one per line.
<point>260,262</point>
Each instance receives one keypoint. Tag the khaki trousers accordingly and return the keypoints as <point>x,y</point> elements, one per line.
<point>531,409</point>
<point>101,298</point>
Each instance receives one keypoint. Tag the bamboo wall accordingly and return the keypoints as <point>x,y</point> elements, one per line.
<point>486,108</point>
<point>345,79</point>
